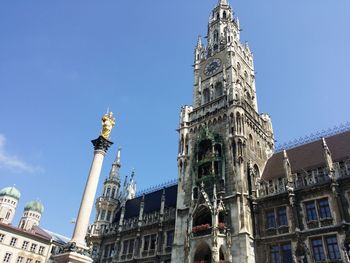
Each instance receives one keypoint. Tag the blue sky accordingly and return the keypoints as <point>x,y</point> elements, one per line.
<point>62,63</point>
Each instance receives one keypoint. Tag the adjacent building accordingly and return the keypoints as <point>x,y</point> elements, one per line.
<point>27,243</point>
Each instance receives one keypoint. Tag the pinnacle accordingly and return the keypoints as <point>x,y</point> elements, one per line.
<point>222,2</point>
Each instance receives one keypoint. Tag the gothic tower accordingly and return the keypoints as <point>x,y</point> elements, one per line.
<point>224,144</point>
<point>107,204</point>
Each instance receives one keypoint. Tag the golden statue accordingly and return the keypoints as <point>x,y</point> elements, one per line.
<point>108,122</point>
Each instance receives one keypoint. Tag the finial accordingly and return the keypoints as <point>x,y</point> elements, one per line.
<point>223,2</point>
<point>324,143</point>
<point>108,122</point>
<point>285,154</point>
<point>199,41</point>
<point>118,155</point>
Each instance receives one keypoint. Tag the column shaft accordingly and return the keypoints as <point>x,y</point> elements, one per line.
<point>88,199</point>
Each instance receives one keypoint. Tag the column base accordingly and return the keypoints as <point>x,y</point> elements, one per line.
<point>72,257</point>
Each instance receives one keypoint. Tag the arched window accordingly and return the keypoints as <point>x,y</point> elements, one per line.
<point>251,142</point>
<point>203,253</point>
<point>202,216</point>
<point>218,90</point>
<point>238,66</point>
<point>216,36</point>
<point>206,96</point>
<point>8,214</point>
<point>217,16</point>
<point>239,122</point>
<point>224,15</point>
<point>108,192</point>
<point>246,76</point>
<point>113,192</point>
<point>259,149</point>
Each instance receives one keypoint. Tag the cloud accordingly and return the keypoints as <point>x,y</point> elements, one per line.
<point>12,162</point>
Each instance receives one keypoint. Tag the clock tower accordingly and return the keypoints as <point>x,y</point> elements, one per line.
<point>224,144</point>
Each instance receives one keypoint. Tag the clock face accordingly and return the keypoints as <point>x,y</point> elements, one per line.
<point>212,67</point>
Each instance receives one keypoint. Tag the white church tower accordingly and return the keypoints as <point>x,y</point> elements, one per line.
<point>9,198</point>
<point>31,215</point>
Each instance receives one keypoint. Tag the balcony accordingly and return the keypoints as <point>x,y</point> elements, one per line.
<point>201,230</point>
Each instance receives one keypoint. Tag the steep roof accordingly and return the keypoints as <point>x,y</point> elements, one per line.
<point>152,202</point>
<point>308,156</point>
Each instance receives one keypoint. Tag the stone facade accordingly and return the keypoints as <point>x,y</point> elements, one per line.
<point>235,199</point>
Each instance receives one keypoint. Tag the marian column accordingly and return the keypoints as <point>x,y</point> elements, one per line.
<point>76,251</point>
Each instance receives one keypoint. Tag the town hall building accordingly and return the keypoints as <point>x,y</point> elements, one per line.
<point>236,198</point>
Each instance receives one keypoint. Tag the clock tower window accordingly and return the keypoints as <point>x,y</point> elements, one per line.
<point>218,90</point>
<point>216,36</point>
<point>206,96</point>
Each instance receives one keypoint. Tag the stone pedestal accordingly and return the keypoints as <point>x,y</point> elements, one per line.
<point>72,257</point>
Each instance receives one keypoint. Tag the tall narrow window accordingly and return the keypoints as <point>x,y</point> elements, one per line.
<point>317,249</point>
<point>332,248</point>
<point>109,213</point>
<point>287,253</point>
<point>13,242</point>
<point>270,219</point>
<point>170,238</point>
<point>206,96</point>
<point>153,242</point>
<point>282,216</point>
<point>131,246</point>
<point>275,254</point>
<point>103,215</point>
<point>125,246</point>
<point>7,257</point>
<point>108,191</point>
<point>325,211</point>
<point>311,211</point>
<point>216,36</point>
<point>146,243</point>
<point>218,90</point>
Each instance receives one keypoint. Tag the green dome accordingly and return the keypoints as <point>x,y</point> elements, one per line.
<point>34,206</point>
<point>10,191</point>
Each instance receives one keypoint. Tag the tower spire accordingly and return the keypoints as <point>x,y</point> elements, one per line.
<point>114,173</point>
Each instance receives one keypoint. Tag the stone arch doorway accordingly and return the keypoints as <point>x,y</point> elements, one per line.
<point>203,253</point>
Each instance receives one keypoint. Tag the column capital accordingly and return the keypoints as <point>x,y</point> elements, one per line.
<point>101,144</point>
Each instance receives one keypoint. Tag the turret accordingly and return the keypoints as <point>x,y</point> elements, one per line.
<point>9,198</point>
<point>31,215</point>
<point>107,204</point>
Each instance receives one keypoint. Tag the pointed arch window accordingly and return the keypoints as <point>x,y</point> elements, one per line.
<point>216,36</point>
<point>218,90</point>
<point>108,192</point>
<point>206,96</point>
